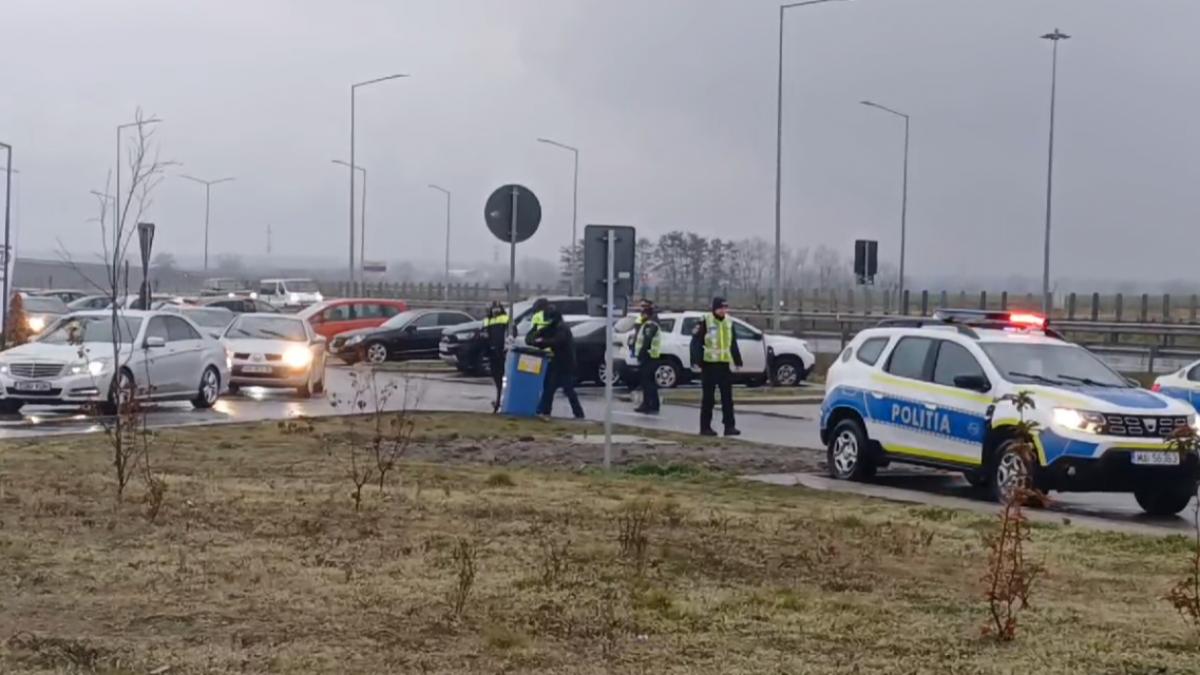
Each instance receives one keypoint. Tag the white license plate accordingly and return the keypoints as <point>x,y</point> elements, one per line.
<point>256,370</point>
<point>31,386</point>
<point>1156,458</point>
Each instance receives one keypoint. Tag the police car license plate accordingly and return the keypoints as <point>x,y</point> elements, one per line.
<point>256,370</point>
<point>1156,458</point>
<point>31,386</point>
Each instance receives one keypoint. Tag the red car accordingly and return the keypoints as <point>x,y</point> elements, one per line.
<point>333,317</point>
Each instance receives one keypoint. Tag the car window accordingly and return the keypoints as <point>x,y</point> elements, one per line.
<point>909,358</point>
<point>689,325</point>
<point>571,306</point>
<point>367,310</point>
<point>666,325</point>
<point>1193,375</point>
<point>427,320</point>
<point>744,332</point>
<point>158,328</point>
<point>179,330</point>
<point>389,311</point>
<point>266,289</point>
<point>870,350</point>
<point>953,360</point>
<point>337,313</point>
<point>452,318</point>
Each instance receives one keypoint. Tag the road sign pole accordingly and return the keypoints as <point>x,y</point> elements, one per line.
<point>611,239</point>
<point>512,253</point>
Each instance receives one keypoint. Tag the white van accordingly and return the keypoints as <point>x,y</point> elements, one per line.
<point>290,293</point>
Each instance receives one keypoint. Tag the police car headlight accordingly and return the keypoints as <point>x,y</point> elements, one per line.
<point>1077,420</point>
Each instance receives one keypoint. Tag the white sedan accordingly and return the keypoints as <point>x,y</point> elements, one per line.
<point>160,357</point>
<point>275,350</point>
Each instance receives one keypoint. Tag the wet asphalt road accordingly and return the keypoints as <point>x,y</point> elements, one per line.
<point>794,430</point>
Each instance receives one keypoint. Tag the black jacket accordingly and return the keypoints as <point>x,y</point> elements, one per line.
<point>648,331</point>
<point>495,336</point>
<point>558,338</point>
<point>698,343</point>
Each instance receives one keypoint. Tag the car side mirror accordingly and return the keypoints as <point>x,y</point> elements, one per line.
<point>972,382</point>
<point>155,342</point>
<point>1133,383</point>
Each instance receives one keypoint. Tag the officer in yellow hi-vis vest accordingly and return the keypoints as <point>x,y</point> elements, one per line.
<point>648,348</point>
<point>715,349</point>
<point>538,321</point>
<point>496,325</point>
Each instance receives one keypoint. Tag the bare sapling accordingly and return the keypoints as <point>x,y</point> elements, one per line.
<point>1184,596</point>
<point>1010,575</point>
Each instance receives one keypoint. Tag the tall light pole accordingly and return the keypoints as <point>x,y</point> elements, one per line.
<point>207,203</point>
<point>778,299</point>
<point>8,172</point>
<point>574,213</point>
<point>362,219</point>
<point>353,91</point>
<point>1054,37</point>
<point>446,285</point>
<point>904,197</point>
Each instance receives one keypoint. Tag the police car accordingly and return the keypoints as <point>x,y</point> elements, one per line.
<point>936,392</point>
<point>1182,384</point>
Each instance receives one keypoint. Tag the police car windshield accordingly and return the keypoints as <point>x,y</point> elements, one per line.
<point>1058,364</point>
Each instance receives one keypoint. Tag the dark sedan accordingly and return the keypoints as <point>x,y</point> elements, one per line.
<point>408,335</point>
<point>589,351</point>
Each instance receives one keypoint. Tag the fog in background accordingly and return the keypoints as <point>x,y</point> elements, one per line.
<point>672,103</point>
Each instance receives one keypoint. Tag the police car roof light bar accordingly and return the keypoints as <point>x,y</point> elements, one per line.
<point>921,322</point>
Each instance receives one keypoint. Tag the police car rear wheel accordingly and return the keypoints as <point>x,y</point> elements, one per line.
<point>666,375</point>
<point>1164,499</point>
<point>848,448</point>
<point>1011,472</point>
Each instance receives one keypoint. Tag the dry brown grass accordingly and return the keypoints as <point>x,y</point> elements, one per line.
<point>257,562</point>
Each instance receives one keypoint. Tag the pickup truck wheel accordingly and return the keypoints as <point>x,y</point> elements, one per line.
<point>788,371</point>
<point>1166,498</point>
<point>667,375</point>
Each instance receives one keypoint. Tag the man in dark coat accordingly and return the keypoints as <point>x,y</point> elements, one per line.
<point>556,336</point>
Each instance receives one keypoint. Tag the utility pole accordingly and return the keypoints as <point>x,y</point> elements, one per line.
<point>1055,37</point>
<point>268,239</point>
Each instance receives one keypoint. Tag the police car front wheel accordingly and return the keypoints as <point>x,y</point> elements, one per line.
<point>1164,499</point>
<point>1012,470</point>
<point>849,452</point>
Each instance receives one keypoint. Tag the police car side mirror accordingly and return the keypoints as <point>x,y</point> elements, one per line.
<point>972,382</point>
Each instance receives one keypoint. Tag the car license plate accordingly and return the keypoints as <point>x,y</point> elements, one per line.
<point>256,370</point>
<point>1156,458</point>
<point>31,386</point>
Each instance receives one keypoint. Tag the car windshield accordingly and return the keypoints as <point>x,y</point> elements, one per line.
<point>587,329</point>
<point>75,330</point>
<point>400,319</point>
<point>209,318</point>
<point>1055,364</point>
<point>44,305</point>
<point>267,328</point>
<point>301,286</point>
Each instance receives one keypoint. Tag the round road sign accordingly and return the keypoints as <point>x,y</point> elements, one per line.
<point>499,210</point>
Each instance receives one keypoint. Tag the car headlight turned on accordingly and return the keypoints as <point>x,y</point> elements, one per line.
<point>297,357</point>
<point>36,323</point>
<point>1078,420</point>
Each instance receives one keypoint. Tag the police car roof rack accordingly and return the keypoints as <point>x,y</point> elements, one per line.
<point>921,322</point>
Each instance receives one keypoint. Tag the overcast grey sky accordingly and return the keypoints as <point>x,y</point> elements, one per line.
<point>671,101</point>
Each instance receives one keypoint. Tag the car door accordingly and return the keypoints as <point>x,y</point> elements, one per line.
<point>753,348</point>
<point>157,374</point>
<point>186,346</point>
<point>423,342</point>
<point>960,393</point>
<point>898,398</point>
<point>334,320</point>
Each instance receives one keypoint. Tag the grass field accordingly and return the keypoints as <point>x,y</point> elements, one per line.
<point>476,561</point>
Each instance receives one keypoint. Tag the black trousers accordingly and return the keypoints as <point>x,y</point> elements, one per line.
<point>646,370</point>
<point>496,361</point>
<point>559,376</point>
<point>712,376</point>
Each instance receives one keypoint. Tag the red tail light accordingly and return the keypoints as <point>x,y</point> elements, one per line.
<point>1026,319</point>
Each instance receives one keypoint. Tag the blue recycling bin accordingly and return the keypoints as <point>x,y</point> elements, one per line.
<point>524,376</point>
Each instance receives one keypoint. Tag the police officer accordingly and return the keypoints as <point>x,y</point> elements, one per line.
<point>631,354</point>
<point>715,348</point>
<point>496,325</point>
<point>556,338</point>
<point>538,319</point>
<point>648,347</point>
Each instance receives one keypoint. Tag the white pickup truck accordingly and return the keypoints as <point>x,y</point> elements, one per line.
<point>786,361</point>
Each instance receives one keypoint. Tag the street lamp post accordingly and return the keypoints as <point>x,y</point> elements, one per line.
<point>1054,37</point>
<point>903,198</point>
<point>353,91</point>
<point>778,299</point>
<point>8,172</point>
<point>446,285</point>
<point>574,213</point>
<point>362,219</point>
<point>207,203</point>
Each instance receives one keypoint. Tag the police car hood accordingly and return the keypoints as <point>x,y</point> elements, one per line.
<point>1107,400</point>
